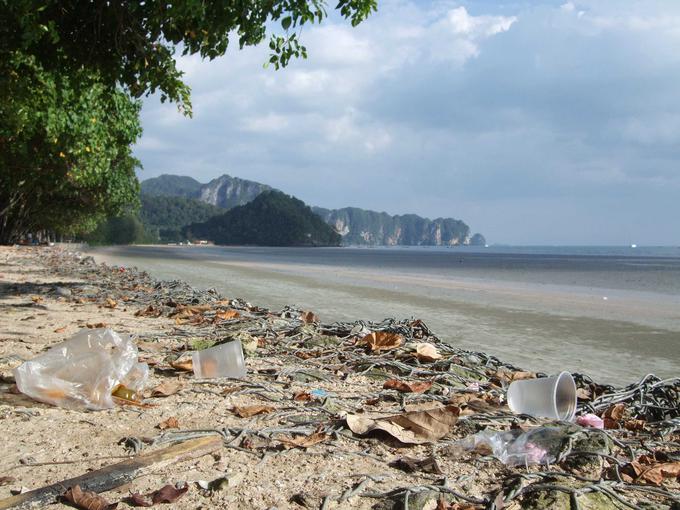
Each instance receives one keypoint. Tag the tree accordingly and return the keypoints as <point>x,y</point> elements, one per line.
<point>70,74</point>
<point>65,149</point>
<point>134,43</point>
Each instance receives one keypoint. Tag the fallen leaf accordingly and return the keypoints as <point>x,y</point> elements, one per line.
<point>37,299</point>
<point>382,340</point>
<point>184,311</point>
<point>230,389</point>
<point>87,500</point>
<point>60,330</point>
<point>304,441</point>
<point>302,396</point>
<point>416,427</point>
<point>427,352</point>
<point>170,423</point>
<point>407,386</point>
<point>110,303</point>
<point>185,365</point>
<point>634,425</point>
<point>137,499</point>
<point>149,311</point>
<point>411,465</point>
<point>615,412</point>
<point>309,317</point>
<point>506,376</point>
<point>166,494</point>
<point>656,472</point>
<point>96,325</point>
<point>248,411</point>
<point>167,388</point>
<point>227,315</point>
<point>6,480</point>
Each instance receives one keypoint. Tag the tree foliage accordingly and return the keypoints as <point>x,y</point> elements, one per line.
<point>134,43</point>
<point>65,148</point>
<point>272,219</point>
<point>166,215</point>
<point>70,71</point>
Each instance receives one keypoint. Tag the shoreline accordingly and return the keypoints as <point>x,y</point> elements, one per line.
<point>290,356</point>
<point>542,326</point>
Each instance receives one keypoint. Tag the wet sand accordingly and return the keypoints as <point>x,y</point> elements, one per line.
<point>541,326</point>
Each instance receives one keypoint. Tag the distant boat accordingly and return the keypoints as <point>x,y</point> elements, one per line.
<point>633,245</point>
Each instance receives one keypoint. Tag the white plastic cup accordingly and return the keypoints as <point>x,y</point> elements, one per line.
<point>547,397</point>
<point>224,360</point>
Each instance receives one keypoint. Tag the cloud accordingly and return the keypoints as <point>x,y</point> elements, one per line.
<point>521,119</point>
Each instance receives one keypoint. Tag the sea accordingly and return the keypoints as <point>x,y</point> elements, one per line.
<point>612,313</point>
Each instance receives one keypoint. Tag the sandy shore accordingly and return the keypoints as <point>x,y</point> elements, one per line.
<point>309,377</point>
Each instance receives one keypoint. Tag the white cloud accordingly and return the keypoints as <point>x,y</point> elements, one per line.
<point>269,123</point>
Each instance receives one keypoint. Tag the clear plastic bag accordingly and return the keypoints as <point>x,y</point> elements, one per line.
<point>83,371</point>
<point>516,448</point>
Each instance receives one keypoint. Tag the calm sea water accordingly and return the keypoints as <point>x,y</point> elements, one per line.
<point>610,312</point>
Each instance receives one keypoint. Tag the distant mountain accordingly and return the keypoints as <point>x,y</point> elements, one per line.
<point>356,226</point>
<point>272,219</point>
<point>225,191</point>
<point>359,226</point>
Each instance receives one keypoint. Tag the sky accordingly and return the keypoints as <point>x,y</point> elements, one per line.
<point>535,122</point>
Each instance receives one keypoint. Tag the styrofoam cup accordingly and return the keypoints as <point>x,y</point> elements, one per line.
<point>548,397</point>
<point>224,360</point>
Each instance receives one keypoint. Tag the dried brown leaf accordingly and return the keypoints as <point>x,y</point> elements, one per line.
<point>302,396</point>
<point>87,500</point>
<point>309,317</point>
<point>427,352</point>
<point>96,325</point>
<point>382,340</point>
<point>635,425</point>
<point>6,480</point>
<point>227,315</point>
<point>185,365</point>
<point>166,494</point>
<point>248,411</point>
<point>615,412</point>
<point>110,303</point>
<point>416,427</point>
<point>407,386</point>
<point>656,472</point>
<point>149,311</point>
<point>37,299</point>
<point>304,441</point>
<point>60,330</point>
<point>167,388</point>
<point>170,423</point>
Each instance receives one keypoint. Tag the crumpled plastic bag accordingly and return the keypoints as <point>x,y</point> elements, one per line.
<point>540,445</point>
<point>83,371</point>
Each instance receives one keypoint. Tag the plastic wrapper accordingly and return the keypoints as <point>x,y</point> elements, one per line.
<point>516,448</point>
<point>83,371</point>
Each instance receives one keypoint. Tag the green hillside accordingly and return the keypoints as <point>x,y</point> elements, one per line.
<point>164,216</point>
<point>272,219</point>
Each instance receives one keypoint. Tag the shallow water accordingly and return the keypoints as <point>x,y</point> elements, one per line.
<point>613,313</point>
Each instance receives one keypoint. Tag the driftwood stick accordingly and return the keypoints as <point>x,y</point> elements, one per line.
<point>115,475</point>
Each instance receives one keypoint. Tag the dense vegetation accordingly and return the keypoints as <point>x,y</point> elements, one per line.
<point>65,157</point>
<point>164,216</point>
<point>171,186</point>
<point>272,219</point>
<point>70,74</point>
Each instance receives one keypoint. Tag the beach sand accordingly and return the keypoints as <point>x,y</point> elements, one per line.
<point>44,300</point>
